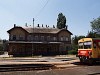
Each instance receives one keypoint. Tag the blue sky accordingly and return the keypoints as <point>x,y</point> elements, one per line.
<point>78,13</point>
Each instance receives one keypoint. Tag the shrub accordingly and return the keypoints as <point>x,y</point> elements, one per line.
<point>72,52</point>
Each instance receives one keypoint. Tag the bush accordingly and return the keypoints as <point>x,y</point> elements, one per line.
<point>1,50</point>
<point>72,52</point>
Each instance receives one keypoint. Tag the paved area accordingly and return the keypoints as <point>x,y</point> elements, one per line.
<point>66,65</point>
<point>79,70</point>
<point>58,61</point>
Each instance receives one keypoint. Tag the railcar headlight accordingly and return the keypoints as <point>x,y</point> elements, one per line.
<point>90,53</point>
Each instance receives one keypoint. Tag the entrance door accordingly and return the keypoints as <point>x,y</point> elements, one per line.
<point>48,50</point>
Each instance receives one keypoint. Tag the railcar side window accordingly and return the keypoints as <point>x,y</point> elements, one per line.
<point>99,44</point>
<point>94,44</point>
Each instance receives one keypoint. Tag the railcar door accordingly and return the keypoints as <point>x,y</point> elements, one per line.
<point>96,49</point>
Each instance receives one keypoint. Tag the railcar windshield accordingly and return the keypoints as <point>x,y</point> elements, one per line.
<point>80,45</point>
<point>87,45</point>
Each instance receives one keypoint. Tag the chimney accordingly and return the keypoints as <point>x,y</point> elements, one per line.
<point>42,25</point>
<point>14,25</point>
<point>66,27</point>
<point>53,26</point>
<point>38,25</point>
<point>46,26</point>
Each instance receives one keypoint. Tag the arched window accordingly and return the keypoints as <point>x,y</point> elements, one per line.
<point>54,38</point>
<point>29,38</point>
<point>61,38</point>
<point>48,38</point>
<point>14,37</point>
<point>42,38</point>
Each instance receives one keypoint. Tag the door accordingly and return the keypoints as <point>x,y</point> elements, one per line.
<point>96,49</point>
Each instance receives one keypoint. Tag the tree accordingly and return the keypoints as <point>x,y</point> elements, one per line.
<point>76,38</point>
<point>91,34</point>
<point>75,44</point>
<point>5,45</point>
<point>95,24</point>
<point>61,21</point>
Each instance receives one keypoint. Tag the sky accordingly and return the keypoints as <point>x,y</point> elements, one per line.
<point>79,14</point>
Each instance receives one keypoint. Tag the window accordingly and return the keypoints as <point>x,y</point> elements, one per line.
<point>87,45</point>
<point>14,37</point>
<point>30,38</point>
<point>66,38</point>
<point>94,44</point>
<point>80,45</point>
<point>54,38</point>
<point>21,37</point>
<point>61,39</point>
<point>36,38</point>
<point>99,44</point>
<point>42,38</point>
<point>48,38</point>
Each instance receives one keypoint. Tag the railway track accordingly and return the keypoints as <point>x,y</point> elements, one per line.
<point>25,67</point>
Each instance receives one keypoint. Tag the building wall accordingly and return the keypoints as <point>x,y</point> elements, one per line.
<point>64,35</point>
<point>38,49</point>
<point>65,38</point>
<point>25,49</point>
<point>19,33</point>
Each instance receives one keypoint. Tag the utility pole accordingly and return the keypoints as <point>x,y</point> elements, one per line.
<point>32,36</point>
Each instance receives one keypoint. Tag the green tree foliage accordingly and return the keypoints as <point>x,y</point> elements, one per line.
<point>76,38</point>
<point>75,44</point>
<point>91,34</point>
<point>61,21</point>
<point>5,45</point>
<point>1,48</point>
<point>95,25</point>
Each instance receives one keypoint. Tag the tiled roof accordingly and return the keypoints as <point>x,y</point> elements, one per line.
<point>42,30</point>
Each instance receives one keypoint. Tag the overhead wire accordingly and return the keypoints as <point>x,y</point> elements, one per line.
<point>42,8</point>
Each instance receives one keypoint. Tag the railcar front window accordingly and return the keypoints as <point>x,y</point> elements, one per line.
<point>87,45</point>
<point>80,45</point>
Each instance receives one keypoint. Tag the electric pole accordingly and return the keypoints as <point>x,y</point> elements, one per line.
<point>32,36</point>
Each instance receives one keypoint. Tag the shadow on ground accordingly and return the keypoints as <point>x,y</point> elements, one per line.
<point>84,64</point>
<point>26,67</point>
<point>94,74</point>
